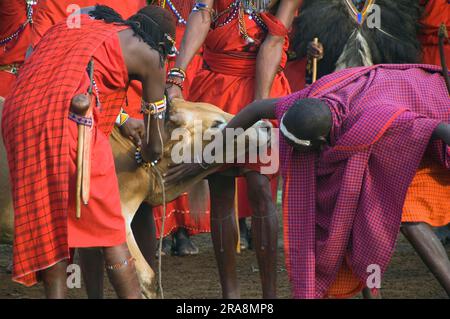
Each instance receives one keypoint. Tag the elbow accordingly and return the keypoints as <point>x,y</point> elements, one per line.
<point>274,42</point>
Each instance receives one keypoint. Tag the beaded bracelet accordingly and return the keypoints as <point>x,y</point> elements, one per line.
<point>155,108</point>
<point>199,6</point>
<point>175,82</point>
<point>176,74</point>
<point>177,71</point>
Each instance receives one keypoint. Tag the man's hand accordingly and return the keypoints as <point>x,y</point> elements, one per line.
<point>177,172</point>
<point>442,132</point>
<point>134,129</point>
<point>174,91</point>
<point>315,50</point>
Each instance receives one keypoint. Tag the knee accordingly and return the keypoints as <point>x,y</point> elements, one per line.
<point>116,254</point>
<point>260,195</point>
<point>411,229</point>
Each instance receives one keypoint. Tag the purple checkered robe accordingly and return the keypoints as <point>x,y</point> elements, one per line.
<point>345,204</point>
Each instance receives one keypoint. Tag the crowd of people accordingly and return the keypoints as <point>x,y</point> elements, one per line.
<point>358,89</point>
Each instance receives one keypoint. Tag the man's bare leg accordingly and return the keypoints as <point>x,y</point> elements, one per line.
<point>224,232</point>
<point>55,280</point>
<point>430,249</point>
<point>264,230</point>
<point>123,276</point>
<point>144,231</point>
<point>92,267</point>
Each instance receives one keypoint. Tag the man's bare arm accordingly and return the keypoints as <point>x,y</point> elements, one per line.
<point>252,113</point>
<point>442,132</point>
<point>270,52</point>
<point>261,109</point>
<point>145,65</point>
<point>197,29</point>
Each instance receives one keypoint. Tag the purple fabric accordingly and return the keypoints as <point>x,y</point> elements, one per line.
<point>345,204</point>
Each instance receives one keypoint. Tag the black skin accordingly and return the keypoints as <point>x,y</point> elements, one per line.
<point>143,64</point>
<point>420,235</point>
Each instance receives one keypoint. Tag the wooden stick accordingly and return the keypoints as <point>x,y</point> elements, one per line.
<point>236,213</point>
<point>79,105</point>
<point>442,37</point>
<point>314,71</point>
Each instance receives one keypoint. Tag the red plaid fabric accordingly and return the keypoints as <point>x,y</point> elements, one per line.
<point>345,204</point>
<point>34,128</point>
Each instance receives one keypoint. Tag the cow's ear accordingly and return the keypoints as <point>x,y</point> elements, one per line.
<point>178,118</point>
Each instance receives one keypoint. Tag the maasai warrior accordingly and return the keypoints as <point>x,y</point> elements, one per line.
<point>427,197</point>
<point>244,54</point>
<point>180,220</point>
<point>47,13</point>
<point>41,142</point>
<point>363,41</point>
<point>351,145</point>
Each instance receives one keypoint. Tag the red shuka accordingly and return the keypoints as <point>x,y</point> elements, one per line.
<point>228,80</point>
<point>35,130</point>
<point>46,14</point>
<point>13,14</point>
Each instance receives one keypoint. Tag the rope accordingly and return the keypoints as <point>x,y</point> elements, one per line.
<point>163,189</point>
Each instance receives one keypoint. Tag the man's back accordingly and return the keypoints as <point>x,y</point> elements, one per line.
<point>418,88</point>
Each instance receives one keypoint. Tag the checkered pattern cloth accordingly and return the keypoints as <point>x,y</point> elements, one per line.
<point>345,204</point>
<point>34,128</point>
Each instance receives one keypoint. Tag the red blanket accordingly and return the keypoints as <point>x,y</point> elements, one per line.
<point>34,127</point>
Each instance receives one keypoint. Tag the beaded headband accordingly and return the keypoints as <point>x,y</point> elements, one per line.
<point>291,136</point>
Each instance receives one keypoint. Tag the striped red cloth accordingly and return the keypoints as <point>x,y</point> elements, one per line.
<point>34,128</point>
<point>344,205</point>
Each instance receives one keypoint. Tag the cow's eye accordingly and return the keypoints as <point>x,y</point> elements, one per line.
<point>218,124</point>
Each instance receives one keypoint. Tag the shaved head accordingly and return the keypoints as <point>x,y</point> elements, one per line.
<point>307,123</point>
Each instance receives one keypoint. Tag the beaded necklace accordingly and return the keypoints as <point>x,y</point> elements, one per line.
<point>15,35</point>
<point>175,11</point>
<point>237,9</point>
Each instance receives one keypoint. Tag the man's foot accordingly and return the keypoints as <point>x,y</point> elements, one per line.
<point>166,246</point>
<point>245,234</point>
<point>183,246</point>
<point>9,268</point>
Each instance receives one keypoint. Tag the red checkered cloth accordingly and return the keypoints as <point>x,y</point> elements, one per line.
<point>344,205</point>
<point>34,127</point>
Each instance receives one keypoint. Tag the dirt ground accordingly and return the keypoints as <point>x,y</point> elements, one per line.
<point>197,277</point>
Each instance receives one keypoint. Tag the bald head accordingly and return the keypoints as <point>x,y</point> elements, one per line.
<point>307,123</point>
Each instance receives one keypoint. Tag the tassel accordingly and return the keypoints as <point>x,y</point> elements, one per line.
<point>148,129</point>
